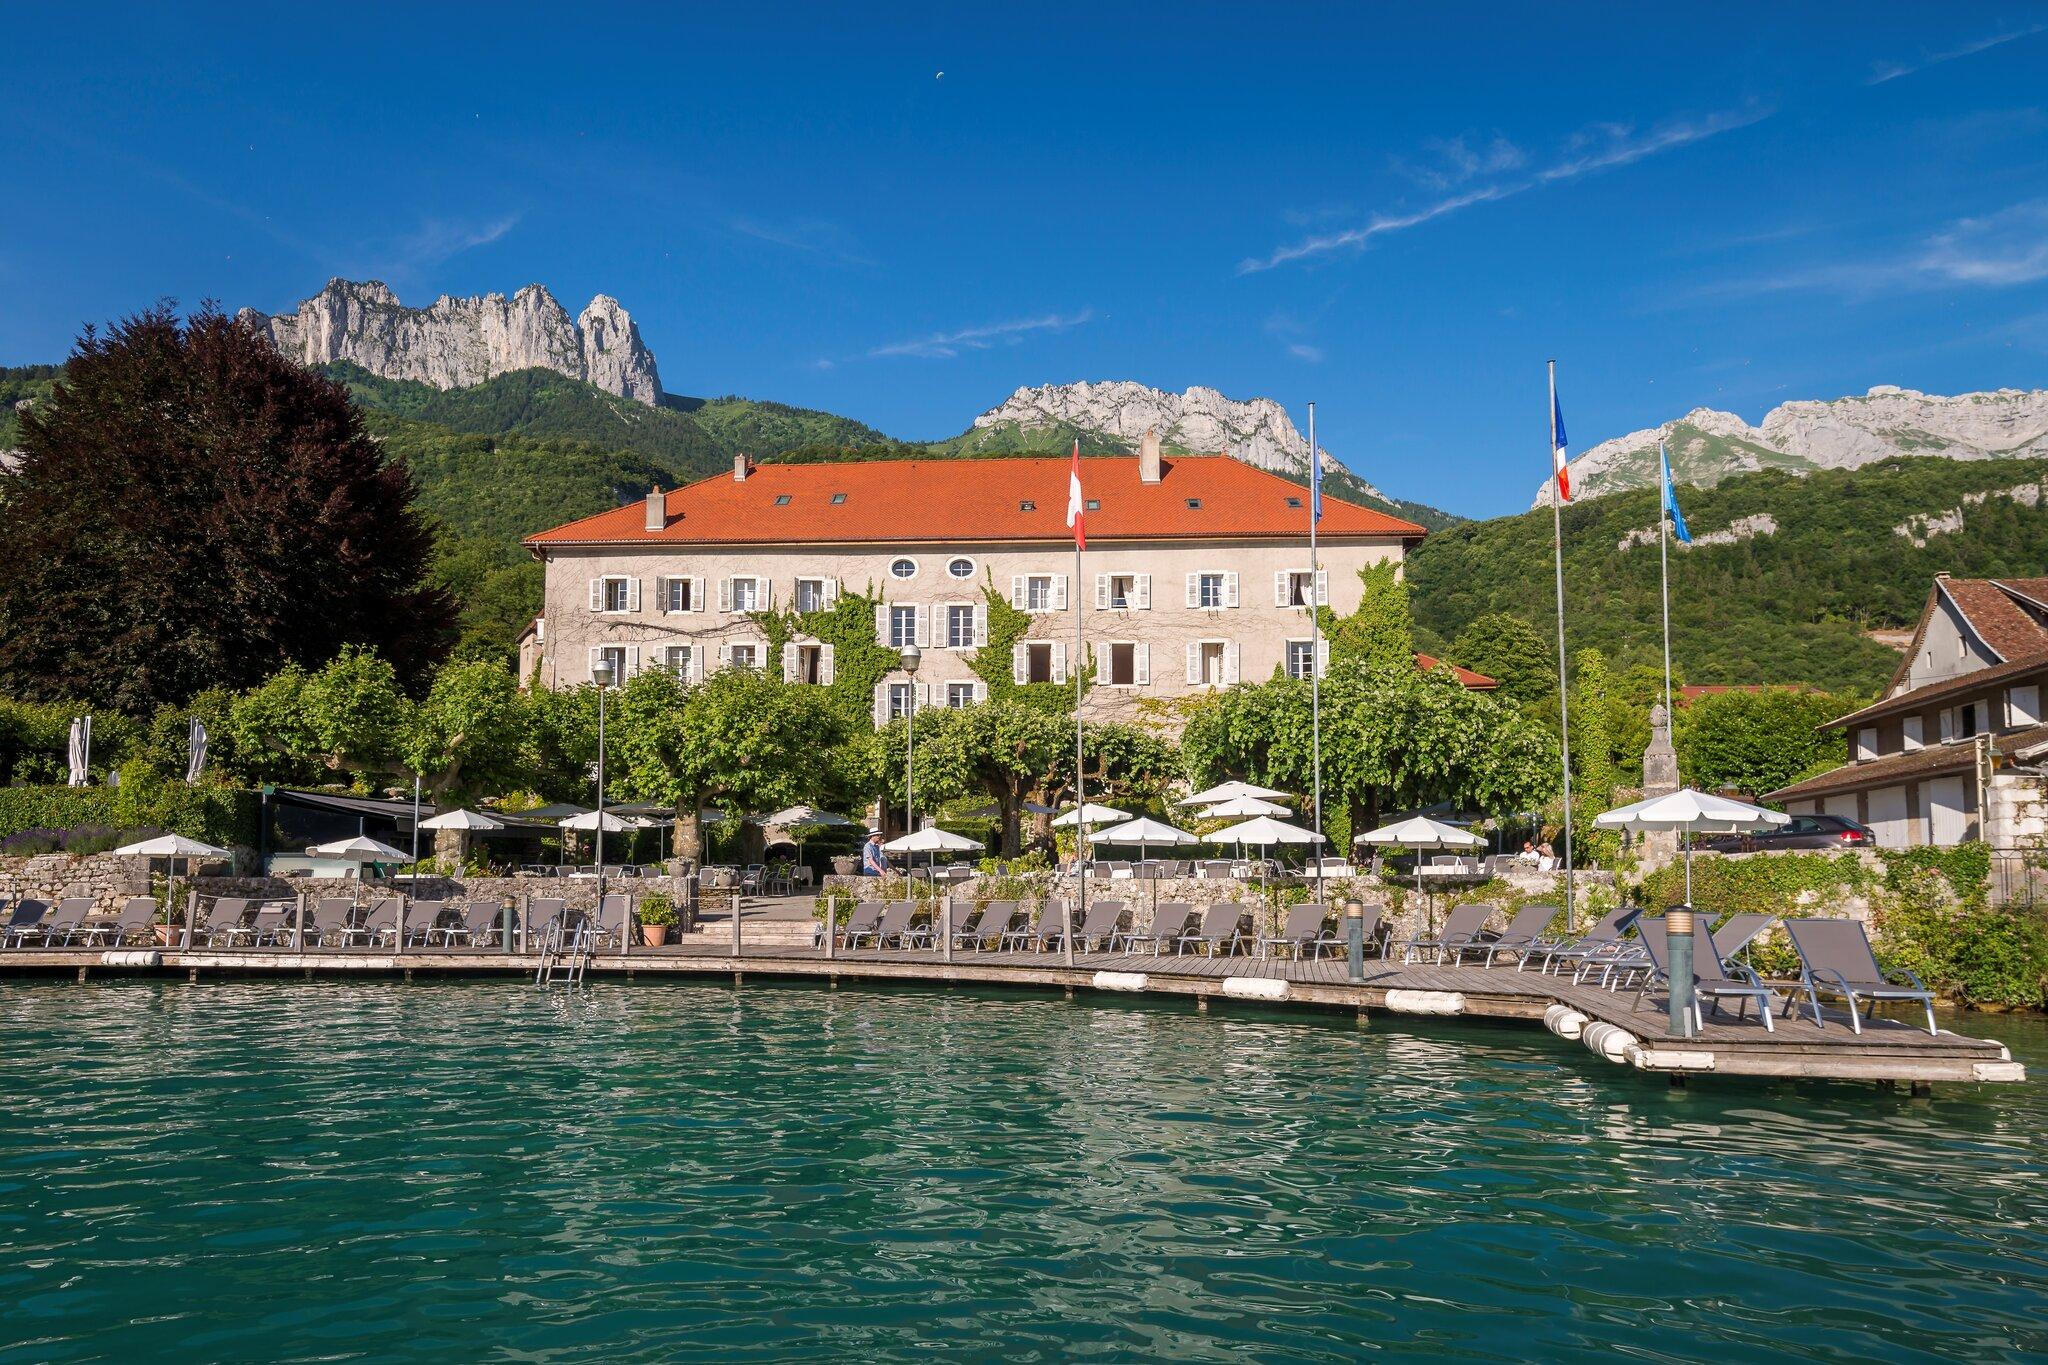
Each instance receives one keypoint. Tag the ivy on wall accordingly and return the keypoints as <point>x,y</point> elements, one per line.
<point>992,662</point>
<point>859,660</point>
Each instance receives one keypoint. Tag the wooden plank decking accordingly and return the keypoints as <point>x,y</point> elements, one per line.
<point>1609,1022</point>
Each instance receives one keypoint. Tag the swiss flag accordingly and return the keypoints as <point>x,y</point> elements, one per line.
<point>1074,500</point>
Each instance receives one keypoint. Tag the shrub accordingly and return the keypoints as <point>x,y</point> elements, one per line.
<point>657,909</point>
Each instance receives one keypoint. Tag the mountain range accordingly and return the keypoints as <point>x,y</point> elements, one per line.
<point>1708,446</point>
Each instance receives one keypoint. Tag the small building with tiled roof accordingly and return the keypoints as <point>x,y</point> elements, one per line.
<point>1953,751</point>
<point>1197,574</point>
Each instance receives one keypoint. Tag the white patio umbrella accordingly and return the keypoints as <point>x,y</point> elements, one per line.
<point>1227,791</point>
<point>931,840</point>
<point>1264,831</point>
<point>170,847</point>
<point>1090,814</point>
<point>799,819</point>
<point>464,821</point>
<point>1144,832</point>
<point>1243,807</point>
<point>1420,832</point>
<point>1691,812</point>
<point>590,820</point>
<point>360,848</point>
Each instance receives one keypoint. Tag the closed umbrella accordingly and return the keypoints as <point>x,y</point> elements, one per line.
<point>1691,812</point>
<point>170,847</point>
<point>1420,832</point>
<point>1226,791</point>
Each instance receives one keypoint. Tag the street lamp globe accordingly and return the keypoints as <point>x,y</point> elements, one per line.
<point>602,672</point>
<point>912,657</point>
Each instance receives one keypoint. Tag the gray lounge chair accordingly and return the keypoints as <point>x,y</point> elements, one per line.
<point>1461,928</point>
<point>374,926</point>
<point>469,928</point>
<point>1099,925</point>
<point>1576,952</point>
<point>422,921</point>
<point>1835,956</point>
<point>1169,922</point>
<point>546,915</point>
<point>895,924</point>
<point>1733,935</point>
<point>1711,981</point>
<point>132,923</point>
<point>24,922</point>
<point>68,920</point>
<point>1046,931</point>
<point>608,925</point>
<point>1218,932</point>
<point>861,923</point>
<point>1524,932</point>
<point>1303,929</point>
<point>994,922</point>
<point>226,921</point>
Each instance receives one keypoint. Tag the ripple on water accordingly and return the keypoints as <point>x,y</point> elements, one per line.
<point>337,1171</point>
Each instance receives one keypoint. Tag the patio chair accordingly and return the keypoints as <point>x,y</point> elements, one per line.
<point>1523,934</point>
<point>1711,981</point>
<point>1302,931</point>
<point>1577,951</point>
<point>894,926</point>
<point>1169,922</point>
<point>327,917</point>
<point>752,879</point>
<point>225,921</point>
<point>1042,933</point>
<point>24,922</point>
<point>1734,935</point>
<point>608,924</point>
<point>1218,932</point>
<point>1098,925</point>
<point>1835,956</point>
<point>1461,928</point>
<point>546,915</point>
<point>372,925</point>
<point>422,918</point>
<point>68,920</point>
<point>470,927</point>
<point>132,923</point>
<point>992,923</point>
<point>271,921</point>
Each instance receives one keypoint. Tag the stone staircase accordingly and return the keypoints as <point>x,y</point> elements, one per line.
<point>757,933</point>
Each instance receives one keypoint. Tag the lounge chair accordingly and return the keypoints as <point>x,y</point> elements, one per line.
<point>1734,935</point>
<point>373,926</point>
<point>1461,930</point>
<point>469,927</point>
<point>1099,925</point>
<point>608,925</point>
<point>1711,981</point>
<point>327,917</point>
<point>1303,930</point>
<point>422,921</point>
<point>68,920</point>
<point>895,924</point>
<point>861,923</point>
<point>1218,932</point>
<point>1523,935</point>
<point>1169,922</point>
<point>24,922</point>
<point>994,922</point>
<point>545,915</point>
<point>1578,951</point>
<point>1835,956</point>
<point>272,921</point>
<point>225,921</point>
<point>1047,930</point>
<point>132,923</point>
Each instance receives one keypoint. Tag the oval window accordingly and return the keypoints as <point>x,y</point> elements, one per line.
<point>961,568</point>
<point>904,568</point>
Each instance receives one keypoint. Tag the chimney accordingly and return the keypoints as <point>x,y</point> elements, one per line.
<point>739,469</point>
<point>1148,457</point>
<point>657,509</point>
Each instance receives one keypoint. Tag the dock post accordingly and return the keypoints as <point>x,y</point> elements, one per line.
<point>738,893</point>
<point>299,923</point>
<point>1678,943</point>
<point>831,929</point>
<point>946,928</point>
<point>1354,940</point>
<point>525,901</point>
<point>191,913</point>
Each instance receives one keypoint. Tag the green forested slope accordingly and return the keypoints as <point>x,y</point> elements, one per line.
<point>21,384</point>
<point>1790,606</point>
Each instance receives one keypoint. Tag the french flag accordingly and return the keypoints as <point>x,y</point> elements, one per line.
<point>1557,449</point>
<point>1074,500</point>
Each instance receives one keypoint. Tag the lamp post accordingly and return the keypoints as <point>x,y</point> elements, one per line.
<point>602,673</point>
<point>912,657</point>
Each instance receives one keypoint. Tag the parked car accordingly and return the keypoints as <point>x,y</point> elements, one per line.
<point>1805,831</point>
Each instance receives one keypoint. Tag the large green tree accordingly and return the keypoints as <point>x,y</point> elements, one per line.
<point>1510,651</point>
<point>193,510</point>
<point>999,749</point>
<point>1755,742</point>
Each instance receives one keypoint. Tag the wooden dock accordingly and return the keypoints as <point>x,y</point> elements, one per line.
<point>1609,1023</point>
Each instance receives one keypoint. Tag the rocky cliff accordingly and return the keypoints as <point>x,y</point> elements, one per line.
<point>1120,412</point>
<point>1708,446</point>
<point>459,342</point>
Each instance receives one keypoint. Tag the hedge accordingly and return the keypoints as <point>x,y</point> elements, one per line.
<point>227,816</point>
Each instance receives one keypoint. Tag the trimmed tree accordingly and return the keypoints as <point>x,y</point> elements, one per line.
<point>193,510</point>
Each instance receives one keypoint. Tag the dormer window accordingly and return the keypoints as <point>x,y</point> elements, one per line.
<point>782,499</point>
<point>1027,506</point>
<point>1195,504</point>
<point>838,498</point>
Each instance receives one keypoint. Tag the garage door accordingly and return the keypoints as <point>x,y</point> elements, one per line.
<point>1945,811</point>
<point>1888,817</point>
<point>1844,806</point>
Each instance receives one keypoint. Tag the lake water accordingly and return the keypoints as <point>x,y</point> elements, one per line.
<point>292,1171</point>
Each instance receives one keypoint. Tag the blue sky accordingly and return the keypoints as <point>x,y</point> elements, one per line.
<point>901,214</point>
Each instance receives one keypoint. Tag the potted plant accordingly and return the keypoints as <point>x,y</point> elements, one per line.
<point>657,919</point>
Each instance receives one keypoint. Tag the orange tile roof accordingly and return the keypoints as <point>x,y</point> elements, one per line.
<point>1472,682</point>
<point>966,501</point>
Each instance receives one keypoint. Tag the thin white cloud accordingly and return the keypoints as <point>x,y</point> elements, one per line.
<point>947,345</point>
<point>438,240</point>
<point>1993,251</point>
<point>814,237</point>
<point>1598,148</point>
<point>1453,161</point>
<point>1301,350</point>
<point>1892,70</point>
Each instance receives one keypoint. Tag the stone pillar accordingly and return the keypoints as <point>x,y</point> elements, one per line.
<point>1660,778</point>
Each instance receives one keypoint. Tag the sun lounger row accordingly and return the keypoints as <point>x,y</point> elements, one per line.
<point>75,922</point>
<point>1221,929</point>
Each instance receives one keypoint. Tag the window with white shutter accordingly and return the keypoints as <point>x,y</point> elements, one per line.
<point>902,631</point>
<point>2023,706</point>
<point>1059,592</point>
<point>1322,656</point>
<point>1059,662</point>
<point>924,627</point>
<point>1019,590</point>
<point>1020,663</point>
<point>1144,663</point>
<point>1281,589</point>
<point>980,624</point>
<point>633,594</point>
<point>1102,592</point>
<point>597,594</point>
<point>1194,662</point>
<point>826,671</point>
<point>1230,588</point>
<point>614,593</point>
<point>675,595</point>
<point>1195,590</point>
<point>789,662</point>
<point>1141,597</point>
<point>725,595</point>
<point>1230,663</point>
<point>632,662</point>
<point>960,625</point>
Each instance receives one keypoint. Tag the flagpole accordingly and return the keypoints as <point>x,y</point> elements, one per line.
<point>1664,568</point>
<point>1315,646</point>
<point>1564,705</point>
<point>1080,771</point>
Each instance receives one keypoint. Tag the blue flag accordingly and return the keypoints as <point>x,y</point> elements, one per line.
<point>1671,498</point>
<point>1315,486</point>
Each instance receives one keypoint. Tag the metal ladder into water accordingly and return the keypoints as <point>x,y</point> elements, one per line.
<point>564,958</point>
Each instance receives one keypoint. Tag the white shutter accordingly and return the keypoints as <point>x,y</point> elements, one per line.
<point>980,624</point>
<point>2023,705</point>
<point>1322,656</point>
<point>1020,662</point>
<point>1017,591</point>
<point>922,630</point>
<point>1142,664</point>
<point>632,661</point>
<point>697,594</point>
<point>980,691</point>
<point>596,651</point>
<point>725,594</point>
<point>1059,662</point>
<point>1059,592</point>
<point>764,594</point>
<point>1102,592</point>
<point>1230,660</point>
<point>789,662</point>
<point>1095,657</point>
<point>882,624</point>
<point>1230,588</point>
<point>1142,592</point>
<point>1914,732</point>
<point>597,594</point>
<point>1322,587</point>
<point>825,673</point>
<point>1194,590</point>
<point>633,593</point>
<point>881,704</point>
<point>1280,588</point>
<point>830,598</point>
<point>725,656</point>
<point>1194,662</point>
<point>696,663</point>
<point>924,695</point>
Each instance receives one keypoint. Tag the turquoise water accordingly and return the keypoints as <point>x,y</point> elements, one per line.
<point>296,1171</point>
